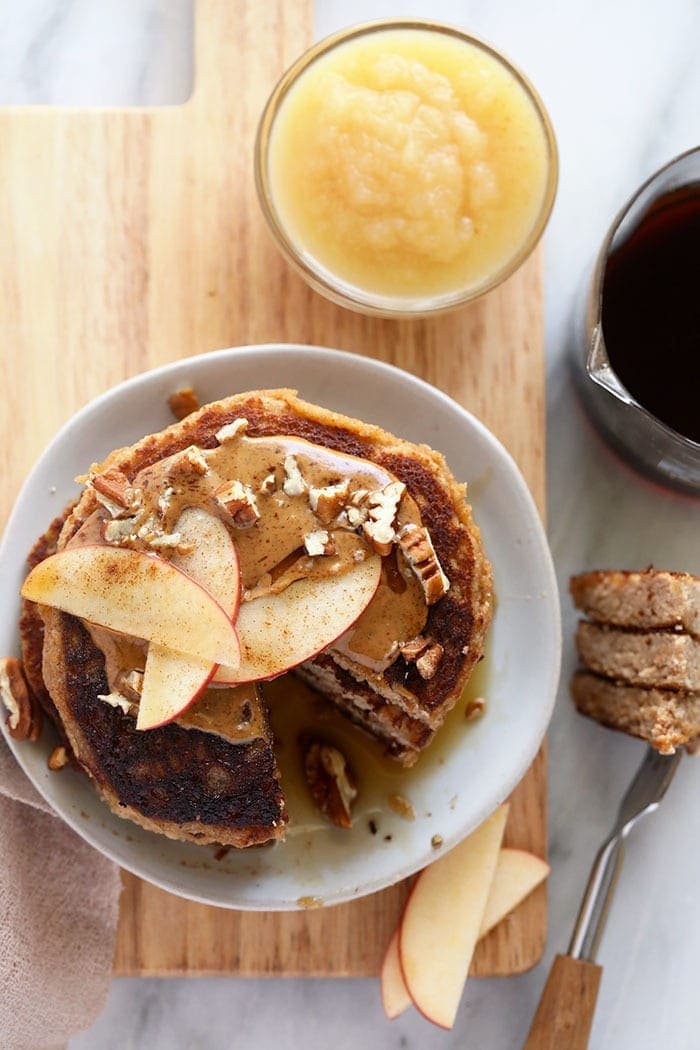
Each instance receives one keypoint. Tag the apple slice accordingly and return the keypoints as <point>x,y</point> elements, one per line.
<point>441,923</point>
<point>137,594</point>
<point>173,681</point>
<point>213,560</point>
<point>282,630</point>
<point>395,995</point>
<point>517,875</point>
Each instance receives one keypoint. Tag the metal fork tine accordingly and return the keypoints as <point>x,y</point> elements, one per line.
<point>649,786</point>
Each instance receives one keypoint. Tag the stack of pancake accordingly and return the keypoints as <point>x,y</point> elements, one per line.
<point>188,783</point>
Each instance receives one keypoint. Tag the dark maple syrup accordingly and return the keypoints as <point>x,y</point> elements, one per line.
<point>651,311</point>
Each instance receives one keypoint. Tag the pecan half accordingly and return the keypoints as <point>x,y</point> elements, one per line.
<point>331,782</point>
<point>24,714</point>
<point>183,402</point>
<point>417,548</point>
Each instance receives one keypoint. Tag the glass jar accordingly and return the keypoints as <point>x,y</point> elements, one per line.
<point>325,278</point>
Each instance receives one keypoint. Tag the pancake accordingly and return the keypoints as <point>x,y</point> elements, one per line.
<point>181,782</point>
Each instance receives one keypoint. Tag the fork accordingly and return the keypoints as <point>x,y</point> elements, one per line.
<point>564,1016</point>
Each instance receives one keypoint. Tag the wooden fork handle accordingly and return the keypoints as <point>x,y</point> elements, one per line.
<point>564,1015</point>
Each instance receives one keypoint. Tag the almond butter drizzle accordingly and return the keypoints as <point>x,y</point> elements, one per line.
<point>280,475</point>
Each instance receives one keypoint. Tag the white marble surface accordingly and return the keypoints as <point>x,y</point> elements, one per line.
<point>622,82</point>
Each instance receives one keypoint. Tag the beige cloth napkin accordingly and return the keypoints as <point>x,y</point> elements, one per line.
<point>59,905</point>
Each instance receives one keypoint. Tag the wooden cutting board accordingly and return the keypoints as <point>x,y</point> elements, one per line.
<point>132,237</point>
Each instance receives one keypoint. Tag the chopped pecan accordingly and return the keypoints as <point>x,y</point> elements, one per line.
<point>165,540</point>
<point>331,782</point>
<point>425,653</point>
<point>58,759</point>
<point>190,461</point>
<point>427,664</point>
<point>114,491</point>
<point>294,483</point>
<point>183,402</point>
<point>134,680</point>
<point>401,805</point>
<point>116,700</point>
<point>269,484</point>
<point>135,531</point>
<point>356,516</point>
<point>318,543</point>
<point>327,502</point>
<point>414,648</point>
<point>417,548</point>
<point>24,715</point>
<point>231,430</point>
<point>383,506</point>
<point>474,709</point>
<point>165,499</point>
<point>120,530</point>
<point>239,501</point>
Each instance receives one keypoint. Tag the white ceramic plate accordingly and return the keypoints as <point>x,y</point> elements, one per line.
<point>451,798</point>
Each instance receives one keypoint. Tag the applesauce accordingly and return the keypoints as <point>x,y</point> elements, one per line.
<point>406,168</point>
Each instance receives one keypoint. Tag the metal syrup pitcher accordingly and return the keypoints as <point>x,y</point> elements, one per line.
<point>650,444</point>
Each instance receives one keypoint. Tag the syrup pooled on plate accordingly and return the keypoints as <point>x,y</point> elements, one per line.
<point>651,311</point>
<point>298,713</point>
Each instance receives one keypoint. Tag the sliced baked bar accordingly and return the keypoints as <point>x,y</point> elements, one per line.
<point>647,600</point>
<point>663,659</point>
<point>664,718</point>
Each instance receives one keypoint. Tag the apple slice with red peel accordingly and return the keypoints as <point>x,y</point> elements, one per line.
<point>442,919</point>
<point>137,594</point>
<point>280,631</point>
<point>213,560</point>
<point>517,874</point>
<point>395,995</point>
<point>173,681</point>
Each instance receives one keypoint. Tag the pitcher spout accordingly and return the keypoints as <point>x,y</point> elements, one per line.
<point>600,371</point>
